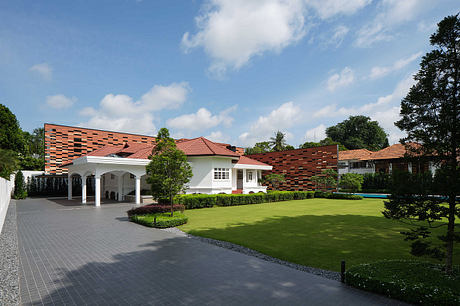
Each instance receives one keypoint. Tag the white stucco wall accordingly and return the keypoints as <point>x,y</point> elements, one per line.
<point>6,187</point>
<point>203,175</point>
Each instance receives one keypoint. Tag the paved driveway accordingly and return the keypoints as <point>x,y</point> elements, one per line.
<point>85,255</point>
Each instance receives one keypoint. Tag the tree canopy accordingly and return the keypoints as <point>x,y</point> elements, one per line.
<point>325,142</point>
<point>278,142</point>
<point>260,147</point>
<point>430,115</point>
<point>359,132</point>
<point>11,136</point>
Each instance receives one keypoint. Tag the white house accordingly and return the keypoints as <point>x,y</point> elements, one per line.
<point>354,161</point>
<point>120,170</point>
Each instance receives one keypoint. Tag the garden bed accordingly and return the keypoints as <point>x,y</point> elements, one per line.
<point>160,220</point>
<point>410,281</point>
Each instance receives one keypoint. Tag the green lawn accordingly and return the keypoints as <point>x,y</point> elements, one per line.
<point>313,232</point>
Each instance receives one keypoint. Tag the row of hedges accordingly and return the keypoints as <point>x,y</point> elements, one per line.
<point>154,209</point>
<point>343,196</point>
<point>409,281</point>
<point>163,220</point>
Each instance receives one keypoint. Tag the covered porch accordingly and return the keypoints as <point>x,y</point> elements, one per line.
<point>114,177</point>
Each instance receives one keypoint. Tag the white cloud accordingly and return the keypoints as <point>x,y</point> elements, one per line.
<point>316,134</point>
<point>385,110</point>
<point>378,71</point>
<point>121,113</point>
<point>339,34</point>
<point>201,120</point>
<point>282,118</point>
<point>392,13</point>
<point>344,78</point>
<point>44,70</point>
<point>328,8</point>
<point>232,32</point>
<point>218,136</point>
<point>60,101</point>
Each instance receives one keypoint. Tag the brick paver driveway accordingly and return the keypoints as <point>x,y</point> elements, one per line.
<point>85,255</point>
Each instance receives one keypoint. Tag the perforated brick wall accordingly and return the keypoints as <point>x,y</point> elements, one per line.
<point>298,166</point>
<point>65,143</point>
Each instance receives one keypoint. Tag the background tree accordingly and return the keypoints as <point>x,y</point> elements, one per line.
<point>168,171</point>
<point>260,147</point>
<point>351,181</point>
<point>8,163</point>
<point>11,136</point>
<point>20,191</point>
<point>325,142</point>
<point>326,180</point>
<point>359,132</point>
<point>275,180</point>
<point>430,115</point>
<point>278,142</point>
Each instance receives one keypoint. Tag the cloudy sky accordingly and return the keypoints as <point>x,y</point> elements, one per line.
<point>231,70</point>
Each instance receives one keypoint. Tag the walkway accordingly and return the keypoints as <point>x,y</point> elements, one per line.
<point>76,255</point>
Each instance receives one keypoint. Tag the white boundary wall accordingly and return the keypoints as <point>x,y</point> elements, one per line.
<point>6,187</point>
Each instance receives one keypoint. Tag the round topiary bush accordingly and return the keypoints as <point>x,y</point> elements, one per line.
<point>410,281</point>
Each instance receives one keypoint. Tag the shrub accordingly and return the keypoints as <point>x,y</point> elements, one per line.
<point>344,196</point>
<point>20,191</point>
<point>352,181</point>
<point>321,194</point>
<point>376,181</point>
<point>160,220</point>
<point>154,209</point>
<point>410,281</point>
<point>191,201</point>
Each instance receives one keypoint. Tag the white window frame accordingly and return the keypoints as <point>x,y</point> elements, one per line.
<point>249,176</point>
<point>221,174</point>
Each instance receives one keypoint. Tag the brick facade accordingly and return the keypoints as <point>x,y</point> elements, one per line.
<point>65,143</point>
<point>298,166</point>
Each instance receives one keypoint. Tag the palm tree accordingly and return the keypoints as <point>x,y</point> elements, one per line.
<point>278,142</point>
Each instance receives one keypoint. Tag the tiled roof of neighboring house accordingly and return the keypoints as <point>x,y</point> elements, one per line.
<point>249,161</point>
<point>392,152</point>
<point>354,154</point>
<point>201,146</point>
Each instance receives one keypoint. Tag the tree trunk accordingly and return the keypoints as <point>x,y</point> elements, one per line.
<point>172,205</point>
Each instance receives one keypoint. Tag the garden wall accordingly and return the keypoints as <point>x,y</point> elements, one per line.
<point>298,166</point>
<point>5,195</point>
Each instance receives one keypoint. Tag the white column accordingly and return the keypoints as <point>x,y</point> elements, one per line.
<point>69,186</point>
<point>120,188</point>
<point>97,195</point>
<point>138,190</point>
<point>83,190</point>
<point>409,167</point>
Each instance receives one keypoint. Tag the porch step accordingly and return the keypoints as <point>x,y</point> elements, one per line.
<point>238,191</point>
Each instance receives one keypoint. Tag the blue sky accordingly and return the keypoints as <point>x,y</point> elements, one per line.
<point>234,71</point>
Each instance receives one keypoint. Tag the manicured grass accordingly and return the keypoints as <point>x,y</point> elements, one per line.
<point>313,232</point>
<point>160,220</point>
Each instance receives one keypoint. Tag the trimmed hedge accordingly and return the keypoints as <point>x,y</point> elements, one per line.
<point>409,281</point>
<point>343,196</point>
<point>191,201</point>
<point>154,209</point>
<point>163,220</point>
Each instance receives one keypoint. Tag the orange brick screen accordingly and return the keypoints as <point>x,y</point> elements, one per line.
<point>65,143</point>
<point>298,166</point>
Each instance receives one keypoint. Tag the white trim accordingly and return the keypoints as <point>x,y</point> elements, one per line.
<point>254,167</point>
<point>110,160</point>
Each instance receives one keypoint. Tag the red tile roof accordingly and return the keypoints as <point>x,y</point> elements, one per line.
<point>203,147</point>
<point>392,152</point>
<point>354,154</point>
<point>249,161</point>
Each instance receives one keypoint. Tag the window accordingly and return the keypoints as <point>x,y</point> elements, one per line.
<point>248,176</point>
<point>112,177</point>
<point>221,173</point>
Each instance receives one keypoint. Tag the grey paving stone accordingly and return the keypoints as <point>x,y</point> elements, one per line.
<point>94,256</point>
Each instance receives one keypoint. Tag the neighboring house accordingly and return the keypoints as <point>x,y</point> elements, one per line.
<point>120,170</point>
<point>384,161</point>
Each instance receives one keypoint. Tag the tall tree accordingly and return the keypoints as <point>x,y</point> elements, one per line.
<point>359,132</point>
<point>8,163</point>
<point>325,142</point>
<point>430,115</point>
<point>278,142</point>
<point>11,136</point>
<point>260,147</point>
<point>168,171</point>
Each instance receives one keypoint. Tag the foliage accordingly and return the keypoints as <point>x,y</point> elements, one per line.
<point>331,230</point>
<point>11,136</point>
<point>8,163</point>
<point>191,201</point>
<point>55,186</point>
<point>168,171</point>
<point>31,163</point>
<point>275,179</point>
<point>351,181</point>
<point>278,142</point>
<point>34,143</point>
<point>376,181</point>
<point>409,281</point>
<point>359,132</point>
<point>260,147</point>
<point>326,180</point>
<point>161,220</point>
<point>20,191</point>
<point>325,142</point>
<point>341,196</point>
<point>154,209</point>
<point>430,115</point>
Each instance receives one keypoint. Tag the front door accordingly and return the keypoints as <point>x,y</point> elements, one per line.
<point>239,179</point>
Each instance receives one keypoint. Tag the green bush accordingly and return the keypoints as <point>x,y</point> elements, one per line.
<point>20,191</point>
<point>344,196</point>
<point>161,220</point>
<point>409,281</point>
<point>191,201</point>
